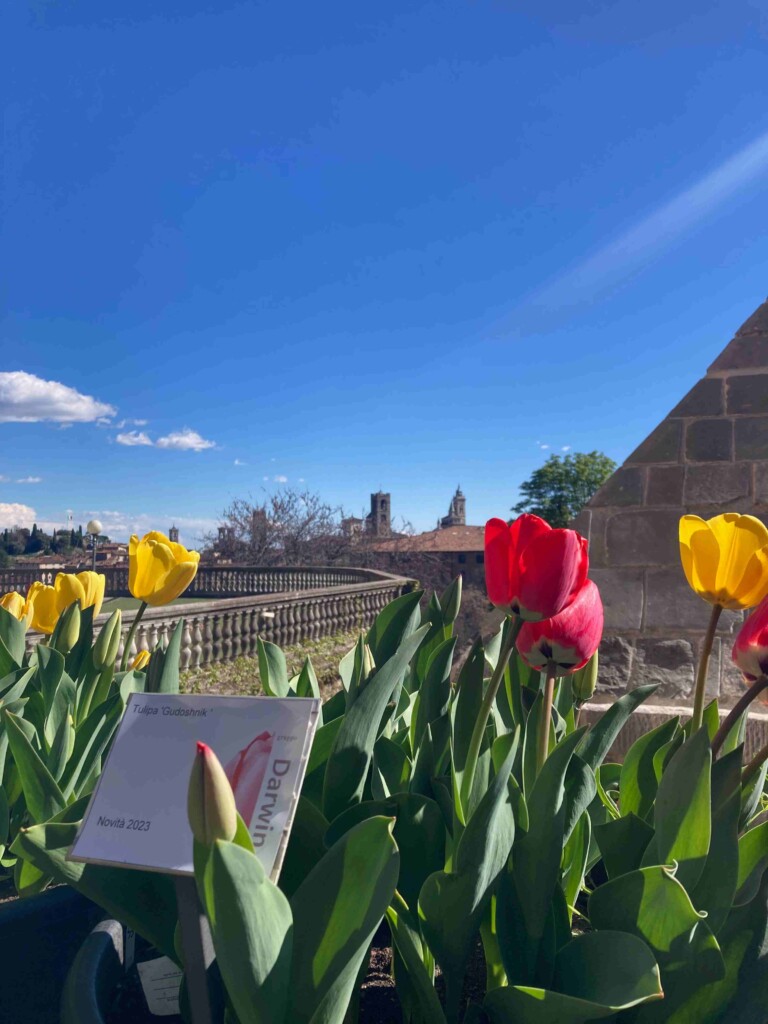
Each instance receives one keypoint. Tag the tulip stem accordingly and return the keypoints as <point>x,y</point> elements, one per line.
<point>737,711</point>
<point>512,627</point>
<point>701,676</point>
<point>754,765</point>
<point>131,634</point>
<point>542,739</point>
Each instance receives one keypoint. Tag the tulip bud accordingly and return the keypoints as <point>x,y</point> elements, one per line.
<point>369,665</point>
<point>105,648</point>
<point>67,630</point>
<point>141,661</point>
<point>584,681</point>
<point>210,801</point>
<point>450,601</point>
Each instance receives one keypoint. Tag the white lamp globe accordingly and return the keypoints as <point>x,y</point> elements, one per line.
<point>94,527</point>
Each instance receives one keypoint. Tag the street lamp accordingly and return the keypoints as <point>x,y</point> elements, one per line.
<point>94,529</point>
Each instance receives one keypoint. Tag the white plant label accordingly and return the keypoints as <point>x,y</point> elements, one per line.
<point>137,816</point>
<point>161,981</point>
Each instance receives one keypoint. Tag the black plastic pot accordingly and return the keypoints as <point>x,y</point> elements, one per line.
<point>94,975</point>
<point>39,938</point>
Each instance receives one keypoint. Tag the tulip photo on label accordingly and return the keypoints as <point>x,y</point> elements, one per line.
<point>532,570</point>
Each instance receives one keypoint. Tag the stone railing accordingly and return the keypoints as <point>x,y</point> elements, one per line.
<point>228,628</point>
<point>213,580</point>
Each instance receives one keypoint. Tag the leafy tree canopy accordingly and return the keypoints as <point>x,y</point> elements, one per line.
<point>560,489</point>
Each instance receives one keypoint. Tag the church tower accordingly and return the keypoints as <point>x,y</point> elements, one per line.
<point>173,534</point>
<point>457,511</point>
<point>379,520</point>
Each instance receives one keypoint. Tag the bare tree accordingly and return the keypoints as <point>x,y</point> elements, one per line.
<point>290,527</point>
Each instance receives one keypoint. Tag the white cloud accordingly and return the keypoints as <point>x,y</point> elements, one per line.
<point>265,478</point>
<point>239,462</point>
<point>133,438</point>
<point>301,479</point>
<point>30,480</point>
<point>3,479</point>
<point>127,423</point>
<point>281,479</point>
<point>565,448</point>
<point>25,398</point>
<point>185,440</point>
<point>13,514</point>
<point>543,447</point>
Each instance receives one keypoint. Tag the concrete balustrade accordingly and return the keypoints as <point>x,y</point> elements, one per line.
<point>313,603</point>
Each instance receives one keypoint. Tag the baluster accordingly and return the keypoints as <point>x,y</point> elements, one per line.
<point>226,635</point>
<point>237,633</point>
<point>185,657</point>
<point>207,642</point>
<point>196,644</point>
<point>218,646</point>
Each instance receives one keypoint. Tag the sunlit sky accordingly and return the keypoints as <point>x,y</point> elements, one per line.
<point>356,246</point>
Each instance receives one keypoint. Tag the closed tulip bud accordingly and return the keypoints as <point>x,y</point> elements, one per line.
<point>584,681</point>
<point>369,665</point>
<point>532,570</point>
<point>210,800</point>
<point>105,648</point>
<point>568,640</point>
<point>67,630</point>
<point>141,661</point>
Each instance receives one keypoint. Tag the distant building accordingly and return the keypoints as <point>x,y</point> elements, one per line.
<point>461,549</point>
<point>378,522</point>
<point>457,511</point>
<point>173,534</point>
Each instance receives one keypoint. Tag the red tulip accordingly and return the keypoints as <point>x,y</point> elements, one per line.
<point>246,773</point>
<point>531,569</point>
<point>568,639</point>
<point>750,649</point>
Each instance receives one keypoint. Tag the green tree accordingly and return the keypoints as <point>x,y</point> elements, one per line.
<point>560,489</point>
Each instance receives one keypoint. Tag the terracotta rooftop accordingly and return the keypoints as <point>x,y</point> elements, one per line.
<point>452,538</point>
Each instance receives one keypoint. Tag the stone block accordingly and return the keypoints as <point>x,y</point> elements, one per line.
<point>670,604</point>
<point>704,399</point>
<point>709,440</point>
<point>669,663</point>
<point>615,663</point>
<point>622,594</point>
<point>761,485</point>
<point>642,537</point>
<point>732,683</point>
<point>712,687</point>
<point>747,394</point>
<point>624,487</point>
<point>749,353</point>
<point>582,523</point>
<point>717,484</point>
<point>665,486</point>
<point>751,437</point>
<point>597,549</point>
<point>662,445</point>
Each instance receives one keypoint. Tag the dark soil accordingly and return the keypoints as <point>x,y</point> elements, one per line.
<point>379,1003</point>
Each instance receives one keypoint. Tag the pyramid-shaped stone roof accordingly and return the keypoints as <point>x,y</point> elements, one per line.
<point>709,455</point>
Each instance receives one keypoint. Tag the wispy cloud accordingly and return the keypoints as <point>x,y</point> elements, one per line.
<point>134,438</point>
<point>185,440</point>
<point>239,462</point>
<point>281,479</point>
<point>30,480</point>
<point>629,251</point>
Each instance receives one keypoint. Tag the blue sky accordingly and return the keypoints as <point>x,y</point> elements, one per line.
<point>354,246</point>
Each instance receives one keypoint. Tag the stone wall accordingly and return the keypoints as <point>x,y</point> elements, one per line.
<point>710,455</point>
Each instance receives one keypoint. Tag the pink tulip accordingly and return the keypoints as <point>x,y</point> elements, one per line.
<point>750,649</point>
<point>246,773</point>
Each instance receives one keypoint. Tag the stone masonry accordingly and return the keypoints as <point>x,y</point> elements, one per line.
<point>710,455</point>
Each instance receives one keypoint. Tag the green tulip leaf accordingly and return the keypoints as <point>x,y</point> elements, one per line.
<point>407,943</point>
<point>638,783</point>
<point>336,911</point>
<point>394,624</point>
<point>622,843</point>
<point>419,833</point>
<point>391,770</point>
<point>464,712</point>
<point>142,900</point>
<point>41,791</point>
<point>306,845</point>
<point>682,814</point>
<point>435,691</point>
<point>575,858</point>
<point>753,860</point>
<point>307,684</point>
<point>602,735</point>
<point>322,744</point>
<point>716,888</point>
<point>252,930</point>
<point>91,740</point>
<point>653,905</point>
<point>451,905</point>
<point>50,669</point>
<point>596,976</point>
<point>13,638</point>
<point>162,672</point>
<point>350,758</point>
<point>273,670</point>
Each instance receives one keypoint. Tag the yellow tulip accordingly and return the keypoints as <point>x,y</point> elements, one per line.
<point>93,590</point>
<point>85,588</point>
<point>141,661</point>
<point>19,608</point>
<point>158,569</point>
<point>725,559</point>
<point>44,602</point>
